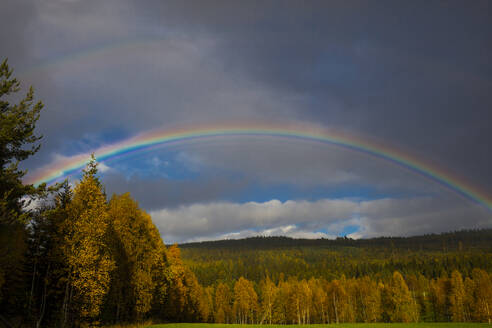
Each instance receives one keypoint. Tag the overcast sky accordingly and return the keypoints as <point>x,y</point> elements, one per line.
<point>414,74</point>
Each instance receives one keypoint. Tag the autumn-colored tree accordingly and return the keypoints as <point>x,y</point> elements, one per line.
<point>177,290</point>
<point>439,294</point>
<point>282,305</point>
<point>202,300</point>
<point>398,303</point>
<point>341,304</point>
<point>302,299</point>
<point>482,296</point>
<point>369,295</point>
<point>223,304</point>
<point>469,301</point>
<point>245,301</point>
<point>136,247</point>
<point>457,297</point>
<point>86,248</point>
<point>268,294</point>
<point>320,303</point>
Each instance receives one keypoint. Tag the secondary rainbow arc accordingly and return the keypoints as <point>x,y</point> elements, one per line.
<point>70,165</point>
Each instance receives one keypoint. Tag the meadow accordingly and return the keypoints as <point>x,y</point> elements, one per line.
<point>348,325</point>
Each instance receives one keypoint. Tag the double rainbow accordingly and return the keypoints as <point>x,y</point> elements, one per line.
<point>70,165</point>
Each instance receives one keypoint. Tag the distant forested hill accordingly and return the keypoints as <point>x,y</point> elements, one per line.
<point>255,258</point>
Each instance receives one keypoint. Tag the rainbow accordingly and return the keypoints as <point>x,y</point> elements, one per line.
<point>64,167</point>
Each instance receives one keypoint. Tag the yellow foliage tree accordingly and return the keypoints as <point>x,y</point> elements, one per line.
<point>457,297</point>
<point>223,304</point>
<point>139,245</point>
<point>177,290</point>
<point>399,304</point>
<point>245,301</point>
<point>268,295</point>
<point>482,296</point>
<point>85,245</point>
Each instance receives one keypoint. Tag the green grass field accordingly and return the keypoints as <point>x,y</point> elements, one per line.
<point>348,325</point>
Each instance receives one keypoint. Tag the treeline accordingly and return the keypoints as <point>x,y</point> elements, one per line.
<point>448,241</point>
<point>397,299</point>
<point>82,260</point>
<point>255,258</point>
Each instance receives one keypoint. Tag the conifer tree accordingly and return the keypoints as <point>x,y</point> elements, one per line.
<point>48,267</point>
<point>17,143</point>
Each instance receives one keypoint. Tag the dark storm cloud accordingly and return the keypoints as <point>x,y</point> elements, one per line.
<point>156,193</point>
<point>15,16</point>
<point>414,73</point>
<point>417,72</point>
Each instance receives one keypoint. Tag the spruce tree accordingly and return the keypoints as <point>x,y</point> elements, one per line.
<point>17,142</point>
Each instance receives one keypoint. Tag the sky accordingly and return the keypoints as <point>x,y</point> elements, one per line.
<point>414,75</point>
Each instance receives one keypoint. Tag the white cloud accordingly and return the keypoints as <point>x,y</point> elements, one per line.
<point>225,220</point>
<point>324,218</point>
<point>103,167</point>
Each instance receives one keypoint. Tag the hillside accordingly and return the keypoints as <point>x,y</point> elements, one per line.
<point>431,255</point>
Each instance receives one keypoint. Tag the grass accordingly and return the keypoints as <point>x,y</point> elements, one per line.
<point>133,325</point>
<point>347,325</point>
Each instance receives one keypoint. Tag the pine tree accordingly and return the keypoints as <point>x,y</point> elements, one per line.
<point>17,143</point>
<point>48,267</point>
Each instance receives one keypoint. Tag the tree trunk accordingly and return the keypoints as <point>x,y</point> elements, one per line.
<point>43,302</point>
<point>335,306</point>
<point>298,313</point>
<point>66,297</point>
<point>32,287</point>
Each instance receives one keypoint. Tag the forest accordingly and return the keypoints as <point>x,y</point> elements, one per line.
<point>73,256</point>
<point>302,281</point>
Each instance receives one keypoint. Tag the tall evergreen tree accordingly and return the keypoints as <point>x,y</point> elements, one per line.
<point>17,142</point>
